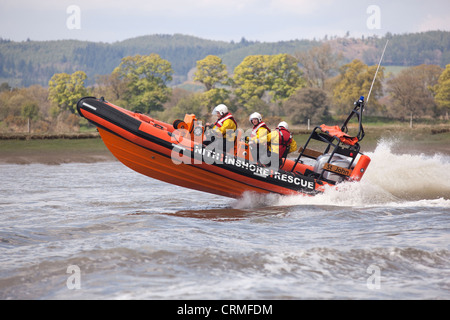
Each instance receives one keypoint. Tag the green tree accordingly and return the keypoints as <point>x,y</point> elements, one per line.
<point>442,91</point>
<point>5,87</point>
<point>354,80</point>
<point>146,78</point>
<point>249,79</point>
<point>30,111</point>
<point>216,96</point>
<point>65,90</point>
<point>211,71</point>
<point>191,104</point>
<point>283,76</point>
<point>277,75</point>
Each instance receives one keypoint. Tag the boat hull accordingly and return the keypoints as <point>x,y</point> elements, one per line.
<point>159,151</point>
<point>161,167</point>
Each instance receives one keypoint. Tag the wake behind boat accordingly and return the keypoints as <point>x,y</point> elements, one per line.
<point>175,153</point>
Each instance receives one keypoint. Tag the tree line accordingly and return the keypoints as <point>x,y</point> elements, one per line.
<point>315,85</point>
<point>34,62</point>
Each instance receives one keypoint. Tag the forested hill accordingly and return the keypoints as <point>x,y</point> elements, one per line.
<point>35,62</point>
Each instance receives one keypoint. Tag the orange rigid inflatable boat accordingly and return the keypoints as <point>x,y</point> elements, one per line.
<point>175,153</point>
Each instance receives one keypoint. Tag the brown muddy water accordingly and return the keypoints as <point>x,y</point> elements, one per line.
<point>102,231</point>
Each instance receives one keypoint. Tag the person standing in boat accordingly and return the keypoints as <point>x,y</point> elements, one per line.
<point>282,142</point>
<point>259,140</point>
<point>225,127</point>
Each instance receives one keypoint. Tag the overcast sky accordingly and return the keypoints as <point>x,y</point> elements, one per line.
<point>262,20</point>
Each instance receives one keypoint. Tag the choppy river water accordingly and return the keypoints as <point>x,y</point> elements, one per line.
<point>102,231</point>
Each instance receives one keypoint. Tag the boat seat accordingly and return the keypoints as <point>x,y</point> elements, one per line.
<point>335,131</point>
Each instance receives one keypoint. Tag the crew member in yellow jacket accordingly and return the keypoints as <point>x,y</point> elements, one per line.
<point>225,126</point>
<point>259,140</point>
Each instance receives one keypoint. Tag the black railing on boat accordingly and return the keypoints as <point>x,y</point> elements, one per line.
<point>337,140</point>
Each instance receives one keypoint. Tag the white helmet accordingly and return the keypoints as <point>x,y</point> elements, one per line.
<point>220,109</point>
<point>284,125</point>
<point>255,115</point>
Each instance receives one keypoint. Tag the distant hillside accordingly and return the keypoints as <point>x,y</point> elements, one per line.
<point>35,62</point>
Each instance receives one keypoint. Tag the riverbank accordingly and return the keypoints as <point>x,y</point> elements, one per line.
<point>424,139</point>
<point>54,151</point>
<point>88,148</point>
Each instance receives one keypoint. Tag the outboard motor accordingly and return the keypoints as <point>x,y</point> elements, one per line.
<point>337,160</point>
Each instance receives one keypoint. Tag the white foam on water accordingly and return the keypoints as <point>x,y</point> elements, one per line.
<point>391,180</point>
<point>409,176</point>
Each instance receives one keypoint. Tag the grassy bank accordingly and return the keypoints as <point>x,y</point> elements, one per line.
<point>419,139</point>
<point>48,136</point>
<point>53,150</point>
